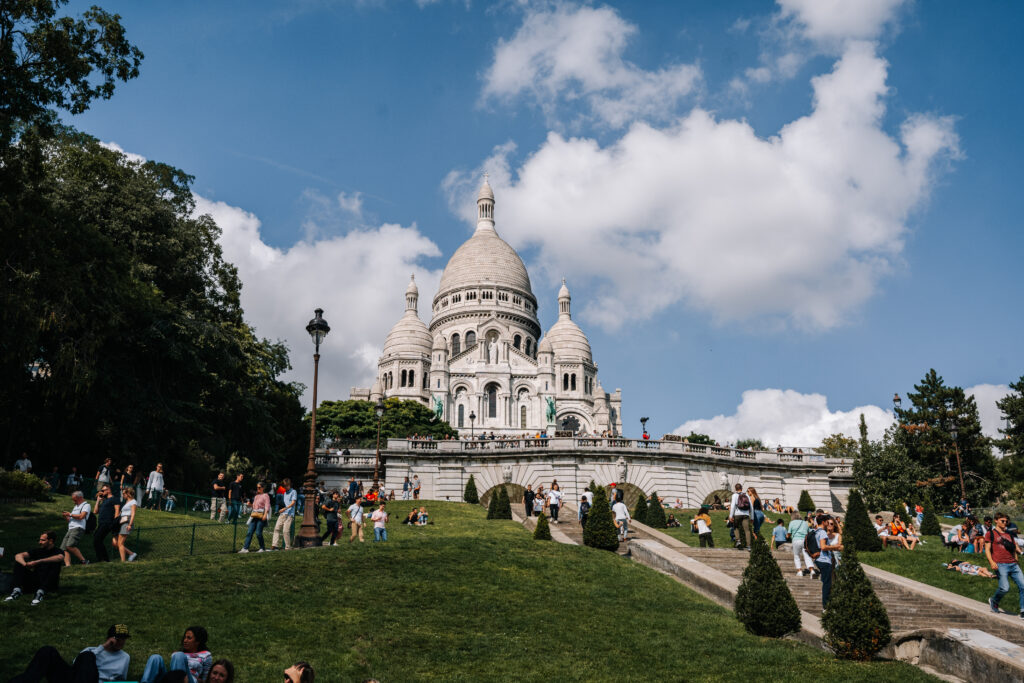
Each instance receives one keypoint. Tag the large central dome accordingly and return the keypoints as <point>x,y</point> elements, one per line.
<point>485,258</point>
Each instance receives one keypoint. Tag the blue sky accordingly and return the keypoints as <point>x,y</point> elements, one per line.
<point>771,217</point>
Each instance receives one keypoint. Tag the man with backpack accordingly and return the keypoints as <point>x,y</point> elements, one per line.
<point>739,515</point>
<point>1002,552</point>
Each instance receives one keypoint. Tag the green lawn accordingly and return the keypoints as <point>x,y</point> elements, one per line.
<point>463,599</point>
<point>924,563</point>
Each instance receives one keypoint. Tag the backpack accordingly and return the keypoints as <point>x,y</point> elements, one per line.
<point>811,546</point>
<point>743,502</point>
<point>90,523</point>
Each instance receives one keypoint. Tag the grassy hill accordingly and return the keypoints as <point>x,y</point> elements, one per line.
<point>463,599</point>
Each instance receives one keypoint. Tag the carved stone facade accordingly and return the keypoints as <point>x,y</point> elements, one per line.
<point>482,363</point>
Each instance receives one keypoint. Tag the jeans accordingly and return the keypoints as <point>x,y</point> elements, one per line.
<point>1007,571</point>
<point>234,507</point>
<point>624,528</point>
<point>380,534</point>
<point>826,581</point>
<point>47,663</point>
<point>553,509</point>
<point>155,667</point>
<point>758,521</point>
<point>255,529</point>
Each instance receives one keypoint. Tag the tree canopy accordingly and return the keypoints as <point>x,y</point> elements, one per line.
<point>354,423</point>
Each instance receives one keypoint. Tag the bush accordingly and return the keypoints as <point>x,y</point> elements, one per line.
<point>655,513</point>
<point>856,623</point>
<point>543,530</point>
<point>858,525</point>
<point>492,505</point>
<point>15,484</point>
<point>470,495</point>
<point>504,507</point>
<point>806,504</point>
<point>764,604</point>
<point>930,523</point>
<point>600,531</point>
<point>640,511</point>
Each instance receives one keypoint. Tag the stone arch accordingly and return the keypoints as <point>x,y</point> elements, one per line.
<point>515,494</point>
<point>631,494</point>
<point>723,495</point>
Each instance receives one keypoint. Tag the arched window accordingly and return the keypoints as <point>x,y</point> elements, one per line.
<point>522,417</point>
<point>412,379</point>
<point>456,347</point>
<point>426,382</point>
<point>565,382</point>
<point>516,341</point>
<point>573,381</point>
<point>470,338</point>
<point>404,374</point>
<point>462,416</point>
<point>492,400</point>
<point>391,380</point>
<point>529,346</point>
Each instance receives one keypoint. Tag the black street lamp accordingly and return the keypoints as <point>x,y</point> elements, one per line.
<point>379,410</point>
<point>472,419</point>
<point>954,432</point>
<point>643,423</point>
<point>896,402</point>
<point>318,329</point>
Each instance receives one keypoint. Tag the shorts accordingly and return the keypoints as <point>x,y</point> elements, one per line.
<point>72,537</point>
<point>126,528</point>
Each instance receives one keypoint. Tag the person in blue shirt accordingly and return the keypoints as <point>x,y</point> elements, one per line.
<point>779,535</point>
<point>285,516</point>
<point>105,662</point>
<point>829,540</point>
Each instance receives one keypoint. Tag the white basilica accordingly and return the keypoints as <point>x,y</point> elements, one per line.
<point>481,356</point>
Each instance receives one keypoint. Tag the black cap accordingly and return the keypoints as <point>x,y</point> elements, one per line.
<point>118,631</point>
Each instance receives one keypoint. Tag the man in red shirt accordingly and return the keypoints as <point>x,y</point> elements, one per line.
<point>1001,550</point>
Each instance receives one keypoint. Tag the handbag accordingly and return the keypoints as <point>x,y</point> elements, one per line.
<point>258,515</point>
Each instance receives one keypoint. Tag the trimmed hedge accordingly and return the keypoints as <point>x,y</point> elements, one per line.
<point>16,484</point>
<point>492,506</point>
<point>600,531</point>
<point>856,623</point>
<point>806,504</point>
<point>655,513</point>
<point>764,604</point>
<point>930,524</point>
<point>470,494</point>
<point>543,530</point>
<point>504,509</point>
<point>858,526</point>
<point>640,511</point>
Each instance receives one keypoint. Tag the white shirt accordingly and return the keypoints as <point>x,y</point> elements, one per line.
<point>702,527</point>
<point>156,481</point>
<point>23,465</point>
<point>589,495</point>
<point>554,497</point>
<point>355,513</point>
<point>126,510</point>
<point>79,509</point>
<point>734,510</point>
<point>620,510</point>
<point>111,666</point>
<point>882,529</point>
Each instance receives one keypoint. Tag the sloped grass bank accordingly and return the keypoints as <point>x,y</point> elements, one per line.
<point>463,599</point>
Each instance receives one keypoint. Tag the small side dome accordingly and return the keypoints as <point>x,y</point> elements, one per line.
<point>439,344</point>
<point>412,288</point>
<point>409,337</point>
<point>563,293</point>
<point>567,341</point>
<point>485,190</point>
<point>545,345</point>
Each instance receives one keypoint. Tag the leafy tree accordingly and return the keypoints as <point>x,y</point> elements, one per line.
<point>470,495</point>
<point>1011,466</point>
<point>694,437</point>
<point>753,444</point>
<point>542,532</point>
<point>856,623</point>
<point>806,504</point>
<point>858,524</point>
<point>492,505</point>
<point>839,446</point>
<point>924,429</point>
<point>640,511</point>
<point>655,513</point>
<point>600,531</point>
<point>930,523</point>
<point>884,473</point>
<point>354,423</point>
<point>50,62</point>
<point>764,604</point>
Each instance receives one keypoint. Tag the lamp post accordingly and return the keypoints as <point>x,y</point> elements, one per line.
<point>379,410</point>
<point>954,432</point>
<point>643,423</point>
<point>318,329</point>
<point>896,401</point>
<point>472,419</point>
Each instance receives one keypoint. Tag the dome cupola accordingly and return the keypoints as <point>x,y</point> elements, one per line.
<point>409,336</point>
<point>565,338</point>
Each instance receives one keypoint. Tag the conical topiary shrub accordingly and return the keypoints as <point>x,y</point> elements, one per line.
<point>543,530</point>
<point>492,505</point>
<point>858,524</point>
<point>593,487</point>
<point>806,504</point>
<point>470,495</point>
<point>504,509</point>
<point>763,601</point>
<point>655,513</point>
<point>856,623</point>
<point>640,511</point>
<point>930,523</point>
<point>600,531</point>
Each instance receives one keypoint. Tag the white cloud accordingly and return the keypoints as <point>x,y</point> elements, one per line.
<point>358,278</point>
<point>796,228</point>
<point>571,53</point>
<point>130,156</point>
<point>833,22</point>
<point>789,418</point>
<point>986,395</point>
<point>352,203</point>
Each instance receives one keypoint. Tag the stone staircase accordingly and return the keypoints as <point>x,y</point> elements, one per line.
<point>907,611</point>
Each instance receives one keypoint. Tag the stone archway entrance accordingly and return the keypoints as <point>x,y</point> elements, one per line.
<point>724,496</point>
<point>515,494</point>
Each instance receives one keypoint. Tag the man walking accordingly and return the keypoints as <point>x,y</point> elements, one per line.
<point>416,487</point>
<point>406,489</point>
<point>76,519</point>
<point>380,524</point>
<point>353,490</point>
<point>103,508</point>
<point>330,509</point>
<point>219,497</point>
<point>23,464</point>
<point>235,497</point>
<point>155,487</point>
<point>1002,553</point>
<point>622,518</point>
<point>528,496</point>
<point>285,516</point>
<point>739,515</point>
<point>355,517</point>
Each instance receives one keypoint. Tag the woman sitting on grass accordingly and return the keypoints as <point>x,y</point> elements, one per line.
<point>193,658</point>
<point>411,518</point>
<point>898,530</point>
<point>969,569</point>
<point>423,519</point>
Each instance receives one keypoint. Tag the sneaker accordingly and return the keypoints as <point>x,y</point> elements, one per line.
<point>799,572</point>
<point>132,557</point>
<point>261,550</point>
<point>15,594</point>
<point>39,597</point>
<point>993,606</point>
<point>85,562</point>
<point>243,551</point>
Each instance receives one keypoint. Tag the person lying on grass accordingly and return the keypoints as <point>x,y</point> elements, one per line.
<point>106,662</point>
<point>193,658</point>
<point>969,569</point>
